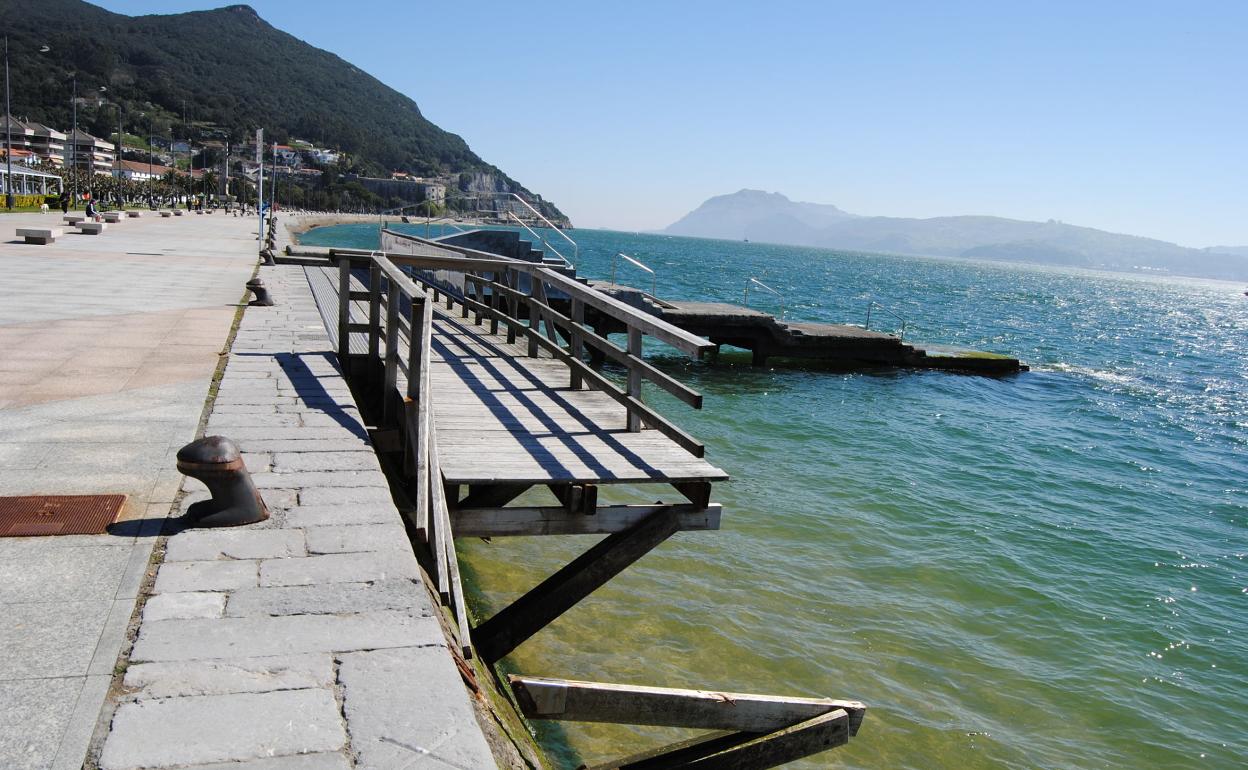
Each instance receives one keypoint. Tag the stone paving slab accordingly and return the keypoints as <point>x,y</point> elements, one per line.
<point>108,347</point>
<point>159,733</point>
<point>264,619</point>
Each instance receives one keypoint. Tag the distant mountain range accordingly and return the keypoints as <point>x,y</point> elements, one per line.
<point>772,218</point>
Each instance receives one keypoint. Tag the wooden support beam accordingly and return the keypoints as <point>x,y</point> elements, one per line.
<point>490,495</point>
<point>812,736</point>
<point>568,700</point>
<point>576,498</point>
<point>678,755</point>
<point>698,492</point>
<point>553,520</point>
<point>524,617</point>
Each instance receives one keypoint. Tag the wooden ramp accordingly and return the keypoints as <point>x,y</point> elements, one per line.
<point>504,417</point>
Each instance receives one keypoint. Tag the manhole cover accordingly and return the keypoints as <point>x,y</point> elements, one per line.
<point>36,515</point>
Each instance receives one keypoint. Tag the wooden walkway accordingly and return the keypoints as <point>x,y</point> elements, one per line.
<point>487,394</point>
<point>504,417</point>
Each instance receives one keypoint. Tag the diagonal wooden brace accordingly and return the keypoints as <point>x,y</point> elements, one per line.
<point>538,608</point>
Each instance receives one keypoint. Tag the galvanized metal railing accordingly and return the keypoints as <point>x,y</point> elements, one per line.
<point>576,250</point>
<point>765,287</point>
<point>872,304</point>
<point>545,244</point>
<point>654,278</point>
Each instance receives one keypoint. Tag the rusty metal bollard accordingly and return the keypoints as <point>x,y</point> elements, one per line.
<point>216,461</point>
<point>256,286</point>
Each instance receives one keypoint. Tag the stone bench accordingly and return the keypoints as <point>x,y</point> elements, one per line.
<point>166,213</point>
<point>41,236</point>
<point>91,228</point>
<point>113,217</point>
<point>177,212</point>
<point>73,219</point>
<point>134,213</point>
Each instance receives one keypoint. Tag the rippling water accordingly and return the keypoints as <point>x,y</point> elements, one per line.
<point>1045,570</point>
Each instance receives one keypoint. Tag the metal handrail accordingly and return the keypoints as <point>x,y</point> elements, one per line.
<point>767,288</point>
<point>576,250</point>
<point>904,323</point>
<point>653,276</point>
<point>545,244</point>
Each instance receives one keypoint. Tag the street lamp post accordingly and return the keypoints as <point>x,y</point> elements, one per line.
<point>150,195</point>
<point>8,132</point>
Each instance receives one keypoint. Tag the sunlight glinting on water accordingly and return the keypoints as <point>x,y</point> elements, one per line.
<point>1045,570</point>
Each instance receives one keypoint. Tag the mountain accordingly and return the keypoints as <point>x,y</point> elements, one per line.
<point>229,72</point>
<point>757,215</point>
<point>773,218</point>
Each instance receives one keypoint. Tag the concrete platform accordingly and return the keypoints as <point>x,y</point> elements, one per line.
<point>109,345</point>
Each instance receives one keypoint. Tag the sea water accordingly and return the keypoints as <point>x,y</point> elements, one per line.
<point>1041,570</point>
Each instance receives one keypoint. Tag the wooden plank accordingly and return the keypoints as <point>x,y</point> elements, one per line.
<point>441,530</point>
<point>524,617</point>
<point>552,520</point>
<point>563,699</point>
<point>812,736</point>
<point>677,755</point>
<point>634,377</point>
<point>390,379</point>
<point>344,313</point>
<point>374,321</point>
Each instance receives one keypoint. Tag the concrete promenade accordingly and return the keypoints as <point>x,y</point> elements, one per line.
<point>303,643</point>
<point>107,347</point>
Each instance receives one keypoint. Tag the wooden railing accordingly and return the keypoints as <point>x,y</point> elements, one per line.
<point>520,296</point>
<point>401,344</point>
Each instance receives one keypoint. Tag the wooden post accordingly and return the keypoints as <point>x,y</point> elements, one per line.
<point>578,341</point>
<point>535,319</point>
<point>634,377</point>
<point>509,280</point>
<point>374,321</point>
<point>560,592</point>
<point>344,314</point>
<point>391,378</point>
<point>494,295</point>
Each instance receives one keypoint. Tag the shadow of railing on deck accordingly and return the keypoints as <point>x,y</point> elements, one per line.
<point>311,392</point>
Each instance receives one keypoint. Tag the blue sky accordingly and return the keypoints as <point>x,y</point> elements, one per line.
<point>1128,116</point>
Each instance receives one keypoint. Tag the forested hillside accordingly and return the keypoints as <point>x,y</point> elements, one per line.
<point>229,72</point>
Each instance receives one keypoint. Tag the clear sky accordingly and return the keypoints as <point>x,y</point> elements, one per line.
<point>1126,116</point>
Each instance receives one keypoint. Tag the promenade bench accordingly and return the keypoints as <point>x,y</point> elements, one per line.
<point>134,213</point>
<point>166,213</point>
<point>91,228</point>
<point>177,212</point>
<point>41,236</point>
<point>73,219</point>
<point>112,217</point>
<point>199,211</point>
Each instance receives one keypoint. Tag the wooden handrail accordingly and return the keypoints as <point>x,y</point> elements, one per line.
<point>632,317</point>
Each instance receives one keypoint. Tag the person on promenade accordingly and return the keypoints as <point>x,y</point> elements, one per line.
<point>64,203</point>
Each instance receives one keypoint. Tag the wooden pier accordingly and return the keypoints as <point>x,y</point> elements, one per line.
<point>476,367</point>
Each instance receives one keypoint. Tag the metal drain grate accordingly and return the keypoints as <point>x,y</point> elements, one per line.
<point>37,515</point>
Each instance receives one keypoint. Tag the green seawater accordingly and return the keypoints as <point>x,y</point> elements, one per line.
<point>1042,570</point>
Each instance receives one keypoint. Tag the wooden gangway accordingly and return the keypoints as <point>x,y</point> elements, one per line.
<point>479,388</point>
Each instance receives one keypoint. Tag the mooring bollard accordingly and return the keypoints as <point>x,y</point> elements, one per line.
<point>256,286</point>
<point>216,461</point>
